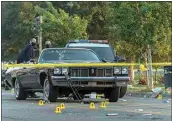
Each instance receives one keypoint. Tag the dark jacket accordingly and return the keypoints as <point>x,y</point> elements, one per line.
<point>26,54</point>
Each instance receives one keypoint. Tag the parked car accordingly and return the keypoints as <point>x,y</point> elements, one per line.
<point>104,51</point>
<point>57,81</point>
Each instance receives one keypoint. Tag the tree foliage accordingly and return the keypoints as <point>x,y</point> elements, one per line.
<point>129,26</point>
<point>134,25</point>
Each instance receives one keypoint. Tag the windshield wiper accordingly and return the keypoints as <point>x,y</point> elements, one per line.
<point>104,60</point>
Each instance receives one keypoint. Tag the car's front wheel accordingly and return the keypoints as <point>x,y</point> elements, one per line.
<point>123,91</point>
<point>50,92</point>
<point>113,94</point>
<point>19,91</point>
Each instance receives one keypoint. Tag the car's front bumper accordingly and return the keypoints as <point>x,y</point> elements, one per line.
<point>90,81</point>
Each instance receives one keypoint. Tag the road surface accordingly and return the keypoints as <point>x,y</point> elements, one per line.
<point>127,109</point>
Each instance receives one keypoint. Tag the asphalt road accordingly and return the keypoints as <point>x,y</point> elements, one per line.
<point>128,109</point>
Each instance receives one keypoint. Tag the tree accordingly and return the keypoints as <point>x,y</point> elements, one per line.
<point>59,27</point>
<point>18,24</point>
<point>134,25</point>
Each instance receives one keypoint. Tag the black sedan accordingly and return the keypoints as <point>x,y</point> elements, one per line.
<point>55,82</point>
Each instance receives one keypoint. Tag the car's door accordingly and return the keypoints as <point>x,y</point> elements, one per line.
<point>28,78</point>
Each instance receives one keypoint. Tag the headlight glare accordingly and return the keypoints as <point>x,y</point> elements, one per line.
<point>124,70</point>
<point>64,70</point>
<point>57,71</point>
<point>117,70</point>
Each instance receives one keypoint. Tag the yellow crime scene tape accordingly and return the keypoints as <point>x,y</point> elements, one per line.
<point>83,65</point>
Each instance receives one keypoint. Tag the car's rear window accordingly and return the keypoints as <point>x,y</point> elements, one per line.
<point>103,52</point>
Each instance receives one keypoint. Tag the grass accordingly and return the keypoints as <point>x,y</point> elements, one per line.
<point>143,88</point>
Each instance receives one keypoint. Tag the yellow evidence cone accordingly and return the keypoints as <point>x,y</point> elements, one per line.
<point>62,106</point>
<point>92,105</point>
<point>102,105</point>
<point>40,103</point>
<point>160,97</point>
<point>58,110</point>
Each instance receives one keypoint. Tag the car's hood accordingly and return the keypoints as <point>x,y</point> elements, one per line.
<point>9,70</point>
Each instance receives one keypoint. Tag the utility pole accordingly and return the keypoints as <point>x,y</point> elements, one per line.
<point>150,73</point>
<point>38,31</point>
<point>40,35</point>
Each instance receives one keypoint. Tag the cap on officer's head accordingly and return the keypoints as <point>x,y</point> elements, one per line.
<point>33,41</point>
<point>47,44</point>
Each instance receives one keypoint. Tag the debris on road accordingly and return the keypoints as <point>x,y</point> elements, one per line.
<point>112,114</point>
<point>130,86</point>
<point>147,114</point>
<point>145,96</point>
<point>129,94</point>
<point>165,101</point>
<point>123,100</point>
<point>156,92</point>
<point>140,110</point>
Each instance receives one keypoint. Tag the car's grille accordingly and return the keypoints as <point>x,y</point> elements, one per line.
<point>75,72</point>
<point>84,72</point>
<point>100,72</point>
<point>108,72</point>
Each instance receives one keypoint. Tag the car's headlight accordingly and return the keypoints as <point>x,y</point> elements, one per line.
<point>117,70</point>
<point>124,70</point>
<point>64,70</point>
<point>57,71</point>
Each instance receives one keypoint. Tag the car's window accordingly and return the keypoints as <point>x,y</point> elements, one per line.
<point>67,55</point>
<point>103,52</point>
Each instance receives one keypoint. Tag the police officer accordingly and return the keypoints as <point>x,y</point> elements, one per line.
<point>28,53</point>
<point>48,44</point>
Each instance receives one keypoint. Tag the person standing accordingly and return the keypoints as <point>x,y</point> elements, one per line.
<point>48,44</point>
<point>28,52</point>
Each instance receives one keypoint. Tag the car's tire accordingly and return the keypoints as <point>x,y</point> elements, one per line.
<point>123,91</point>
<point>113,94</point>
<point>20,93</point>
<point>50,92</point>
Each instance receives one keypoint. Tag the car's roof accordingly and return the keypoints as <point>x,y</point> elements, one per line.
<point>68,49</point>
<point>87,45</point>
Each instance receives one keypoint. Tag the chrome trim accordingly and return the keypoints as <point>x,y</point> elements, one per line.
<point>92,78</point>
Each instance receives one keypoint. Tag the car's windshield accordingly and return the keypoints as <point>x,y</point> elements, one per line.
<point>67,55</point>
<point>105,53</point>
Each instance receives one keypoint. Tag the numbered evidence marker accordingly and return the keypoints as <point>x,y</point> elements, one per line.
<point>62,106</point>
<point>40,103</point>
<point>102,105</point>
<point>92,105</point>
<point>58,110</point>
